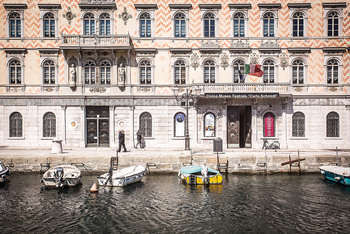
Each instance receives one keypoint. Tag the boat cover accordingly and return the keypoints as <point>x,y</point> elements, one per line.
<point>195,169</point>
<point>344,171</point>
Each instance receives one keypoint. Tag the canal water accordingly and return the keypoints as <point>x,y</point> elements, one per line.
<point>243,204</point>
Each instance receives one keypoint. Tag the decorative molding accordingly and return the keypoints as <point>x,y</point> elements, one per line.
<point>224,60</point>
<point>97,4</point>
<point>12,6</point>
<point>97,89</point>
<point>269,46</point>
<point>269,5</point>
<point>299,5</point>
<point>254,57</point>
<point>146,6</point>
<point>180,50</point>
<point>125,16</point>
<point>240,6</point>
<point>145,51</point>
<point>334,5</point>
<point>180,6</point>
<point>49,6</point>
<point>284,60</point>
<point>209,6</point>
<point>15,50</point>
<point>240,50</point>
<point>194,60</point>
<point>299,50</point>
<point>69,15</point>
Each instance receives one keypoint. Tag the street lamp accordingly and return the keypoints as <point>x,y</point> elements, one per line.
<point>185,97</point>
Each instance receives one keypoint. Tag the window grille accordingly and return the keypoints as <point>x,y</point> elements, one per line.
<point>298,125</point>
<point>49,125</point>
<point>333,125</point>
<point>146,124</point>
<point>16,123</point>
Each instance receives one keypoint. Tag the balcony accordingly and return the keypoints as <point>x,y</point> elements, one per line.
<point>96,42</point>
<point>244,90</point>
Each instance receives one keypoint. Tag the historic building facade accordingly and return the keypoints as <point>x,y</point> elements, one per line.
<point>82,70</point>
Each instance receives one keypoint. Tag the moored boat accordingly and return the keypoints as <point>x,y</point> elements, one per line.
<point>336,174</point>
<point>62,176</point>
<point>4,173</point>
<point>122,177</point>
<point>194,175</point>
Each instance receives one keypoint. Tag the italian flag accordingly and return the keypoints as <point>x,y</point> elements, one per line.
<point>253,69</point>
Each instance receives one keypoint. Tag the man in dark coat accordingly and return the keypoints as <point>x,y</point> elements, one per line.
<point>121,138</point>
<point>138,137</point>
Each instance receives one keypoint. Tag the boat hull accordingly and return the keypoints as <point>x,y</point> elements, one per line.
<point>122,177</point>
<point>71,177</point>
<point>4,173</point>
<point>195,175</point>
<point>335,174</point>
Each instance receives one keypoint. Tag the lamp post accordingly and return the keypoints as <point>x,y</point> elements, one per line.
<point>185,97</point>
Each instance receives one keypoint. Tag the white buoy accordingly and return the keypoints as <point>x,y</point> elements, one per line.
<point>94,188</point>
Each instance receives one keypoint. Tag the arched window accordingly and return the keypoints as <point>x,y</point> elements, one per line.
<point>105,24</point>
<point>145,72</point>
<point>49,25</point>
<point>180,25</point>
<point>15,27</point>
<point>179,124</point>
<point>105,73</point>
<point>180,72</point>
<point>15,72</point>
<point>209,125</point>
<point>333,24</point>
<point>332,71</point>
<point>298,24</point>
<point>146,124</point>
<point>49,125</point>
<point>333,124</point>
<point>16,123</point>
<point>269,71</point>
<point>209,25</point>
<point>209,71</point>
<point>298,124</point>
<point>89,24</point>
<point>145,25</point>
<point>49,72</point>
<point>269,24</point>
<point>238,25</point>
<point>90,73</point>
<point>298,72</point>
<point>269,125</point>
<point>238,71</point>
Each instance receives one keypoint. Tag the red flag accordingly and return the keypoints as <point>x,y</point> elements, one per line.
<point>257,71</point>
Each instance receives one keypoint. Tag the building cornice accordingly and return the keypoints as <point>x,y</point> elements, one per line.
<point>239,50</point>
<point>299,5</point>
<point>145,51</point>
<point>334,49</point>
<point>97,6</point>
<point>146,6</point>
<point>240,6</point>
<point>11,6</point>
<point>180,50</point>
<point>15,50</point>
<point>209,6</point>
<point>180,6</point>
<point>49,51</point>
<point>49,6</point>
<point>334,5</point>
<point>269,5</point>
<point>299,50</point>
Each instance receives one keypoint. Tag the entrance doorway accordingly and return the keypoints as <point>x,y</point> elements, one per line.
<point>97,126</point>
<point>239,122</point>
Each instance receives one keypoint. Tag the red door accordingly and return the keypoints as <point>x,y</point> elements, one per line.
<point>269,125</point>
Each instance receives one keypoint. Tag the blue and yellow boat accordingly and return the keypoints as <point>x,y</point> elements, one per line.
<point>200,175</point>
<point>336,174</point>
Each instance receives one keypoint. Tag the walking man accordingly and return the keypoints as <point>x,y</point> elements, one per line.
<point>138,137</point>
<point>121,138</point>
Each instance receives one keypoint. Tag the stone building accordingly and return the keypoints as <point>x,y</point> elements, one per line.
<point>82,70</point>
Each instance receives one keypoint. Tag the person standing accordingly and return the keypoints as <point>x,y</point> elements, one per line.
<point>121,138</point>
<point>138,138</point>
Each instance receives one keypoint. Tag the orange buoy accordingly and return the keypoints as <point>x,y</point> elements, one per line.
<point>94,188</point>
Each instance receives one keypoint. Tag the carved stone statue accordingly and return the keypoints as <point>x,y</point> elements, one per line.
<point>72,75</point>
<point>121,72</point>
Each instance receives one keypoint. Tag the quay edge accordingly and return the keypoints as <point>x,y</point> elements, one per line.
<point>239,162</point>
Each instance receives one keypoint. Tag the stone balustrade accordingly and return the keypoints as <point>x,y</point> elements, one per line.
<point>119,41</point>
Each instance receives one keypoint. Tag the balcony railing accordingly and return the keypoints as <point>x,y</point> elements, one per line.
<point>121,41</point>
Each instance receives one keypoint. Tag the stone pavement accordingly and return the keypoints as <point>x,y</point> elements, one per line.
<point>169,161</point>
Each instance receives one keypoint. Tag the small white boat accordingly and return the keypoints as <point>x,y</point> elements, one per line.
<point>4,173</point>
<point>62,176</point>
<point>336,174</point>
<point>122,177</point>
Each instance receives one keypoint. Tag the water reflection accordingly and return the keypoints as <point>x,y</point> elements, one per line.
<point>263,204</point>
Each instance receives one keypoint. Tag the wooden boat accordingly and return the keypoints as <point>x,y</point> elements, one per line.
<point>122,177</point>
<point>4,173</point>
<point>199,175</point>
<point>62,176</point>
<point>336,174</point>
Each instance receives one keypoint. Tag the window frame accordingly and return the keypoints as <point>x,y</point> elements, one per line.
<point>295,66</point>
<point>49,66</point>
<point>90,65</point>
<point>269,28</point>
<point>148,70</point>
<point>332,18</point>
<point>300,23</point>
<point>336,122</point>
<point>145,120</point>
<point>268,73</point>
<point>103,67</point>
<point>211,66</point>
<point>180,65</point>
<point>51,20</point>
<point>274,124</point>
<point>18,125</point>
<point>184,122</point>
<point>210,33</point>
<point>90,17</point>
<point>298,124</point>
<point>51,121</point>
<point>18,33</point>
<point>240,64</point>
<point>147,18</point>
<point>105,18</point>
<point>239,34</point>
<point>330,79</point>
<point>183,25</point>
<point>17,67</point>
<point>205,124</point>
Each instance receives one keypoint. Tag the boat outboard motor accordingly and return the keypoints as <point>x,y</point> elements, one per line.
<point>59,177</point>
<point>204,173</point>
